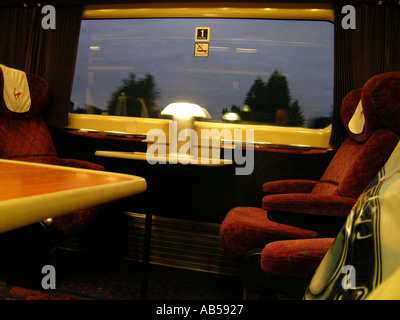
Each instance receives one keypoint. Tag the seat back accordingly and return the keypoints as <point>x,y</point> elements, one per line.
<point>365,256</point>
<point>24,134</point>
<point>365,151</point>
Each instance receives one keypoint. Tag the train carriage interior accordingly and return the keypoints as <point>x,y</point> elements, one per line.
<point>199,150</point>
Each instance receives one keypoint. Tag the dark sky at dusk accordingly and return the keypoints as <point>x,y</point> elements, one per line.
<point>240,51</point>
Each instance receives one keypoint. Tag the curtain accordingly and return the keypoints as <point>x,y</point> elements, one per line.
<point>371,48</point>
<point>49,53</point>
<point>13,38</point>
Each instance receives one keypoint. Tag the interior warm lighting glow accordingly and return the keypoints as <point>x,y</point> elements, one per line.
<point>184,110</point>
<point>183,115</point>
<point>208,116</point>
<point>231,117</point>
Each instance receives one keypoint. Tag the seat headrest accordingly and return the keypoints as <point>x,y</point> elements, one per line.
<point>375,106</point>
<point>381,97</point>
<point>349,106</point>
<point>22,96</point>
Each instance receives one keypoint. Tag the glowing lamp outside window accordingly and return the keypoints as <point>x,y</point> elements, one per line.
<point>183,116</point>
<point>231,117</point>
<point>184,110</point>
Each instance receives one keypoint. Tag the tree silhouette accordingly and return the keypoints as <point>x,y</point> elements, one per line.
<point>320,122</point>
<point>135,98</point>
<point>256,102</point>
<point>277,94</point>
<point>296,117</point>
<point>256,96</point>
<point>265,99</point>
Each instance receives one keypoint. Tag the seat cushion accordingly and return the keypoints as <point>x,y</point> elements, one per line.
<point>23,139</point>
<point>297,258</point>
<point>247,228</point>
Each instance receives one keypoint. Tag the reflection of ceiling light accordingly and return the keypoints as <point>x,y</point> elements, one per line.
<point>243,50</point>
<point>231,117</point>
<point>246,108</point>
<point>218,48</point>
<point>183,116</point>
<point>94,48</point>
<point>208,116</point>
<point>184,110</point>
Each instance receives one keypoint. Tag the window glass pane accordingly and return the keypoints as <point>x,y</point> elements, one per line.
<point>265,71</point>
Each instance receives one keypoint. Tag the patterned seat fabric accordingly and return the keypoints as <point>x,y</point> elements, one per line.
<point>287,258</point>
<point>24,136</point>
<point>364,259</point>
<point>253,230</point>
<point>294,258</point>
<point>317,209</point>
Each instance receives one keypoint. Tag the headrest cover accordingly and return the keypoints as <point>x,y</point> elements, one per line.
<point>357,121</point>
<point>22,95</point>
<point>16,93</point>
<point>375,106</point>
<point>350,104</point>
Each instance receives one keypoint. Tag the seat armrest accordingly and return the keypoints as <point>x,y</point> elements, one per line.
<point>323,214</point>
<point>289,186</point>
<point>309,204</point>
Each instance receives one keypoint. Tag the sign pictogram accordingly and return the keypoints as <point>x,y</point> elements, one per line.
<point>201,49</point>
<point>202,34</point>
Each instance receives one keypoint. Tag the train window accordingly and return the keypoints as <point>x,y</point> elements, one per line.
<point>258,71</point>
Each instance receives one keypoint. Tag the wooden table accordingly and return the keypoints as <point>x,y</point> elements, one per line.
<point>166,159</point>
<point>32,192</point>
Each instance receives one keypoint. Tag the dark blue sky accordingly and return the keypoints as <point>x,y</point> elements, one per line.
<point>240,51</point>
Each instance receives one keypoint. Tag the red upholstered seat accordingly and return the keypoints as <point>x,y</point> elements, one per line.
<point>317,209</point>
<point>24,136</point>
<point>294,258</point>
<point>257,230</point>
<point>363,261</point>
<point>287,258</point>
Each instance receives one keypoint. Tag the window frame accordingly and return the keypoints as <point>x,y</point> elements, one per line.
<point>264,135</point>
